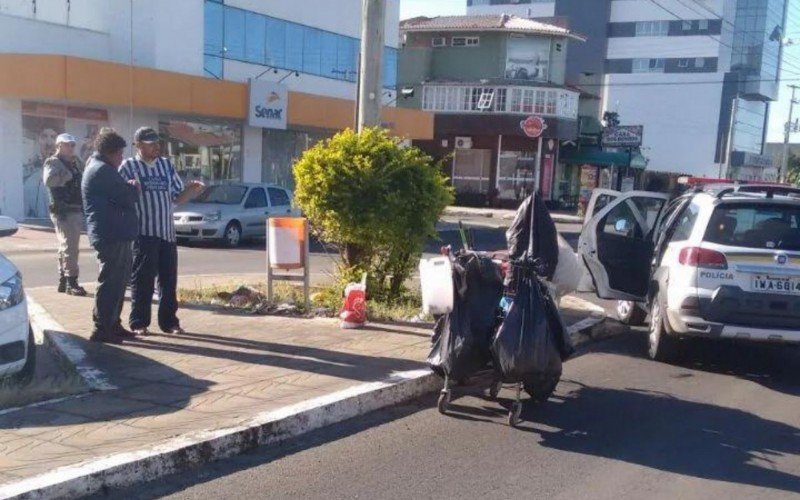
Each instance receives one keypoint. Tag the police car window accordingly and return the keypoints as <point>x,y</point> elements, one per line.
<point>755,226</point>
<point>685,223</point>
<point>648,208</point>
<point>621,221</point>
<point>601,202</point>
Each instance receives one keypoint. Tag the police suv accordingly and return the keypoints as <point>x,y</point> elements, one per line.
<point>722,261</point>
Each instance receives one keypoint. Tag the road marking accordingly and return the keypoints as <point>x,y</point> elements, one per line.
<point>44,325</point>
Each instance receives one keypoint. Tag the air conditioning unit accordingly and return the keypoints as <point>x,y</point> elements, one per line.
<point>463,142</point>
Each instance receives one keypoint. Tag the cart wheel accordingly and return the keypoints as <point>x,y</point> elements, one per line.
<point>494,390</point>
<point>444,400</point>
<point>514,414</point>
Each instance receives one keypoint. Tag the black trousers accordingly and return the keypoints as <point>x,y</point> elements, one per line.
<point>154,257</point>
<point>115,269</point>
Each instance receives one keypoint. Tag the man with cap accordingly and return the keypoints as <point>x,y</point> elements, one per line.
<point>155,252</point>
<point>62,175</point>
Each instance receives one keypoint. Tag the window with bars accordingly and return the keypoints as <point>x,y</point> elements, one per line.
<point>520,100</point>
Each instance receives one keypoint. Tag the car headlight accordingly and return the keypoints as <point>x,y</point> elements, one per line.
<point>11,292</point>
<point>213,217</point>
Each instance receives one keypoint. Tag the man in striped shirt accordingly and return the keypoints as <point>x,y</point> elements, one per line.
<point>155,252</point>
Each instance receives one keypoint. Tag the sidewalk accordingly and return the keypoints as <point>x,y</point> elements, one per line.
<point>226,386</point>
<point>503,214</point>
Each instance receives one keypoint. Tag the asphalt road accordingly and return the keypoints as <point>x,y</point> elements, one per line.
<point>724,424</point>
<point>39,267</point>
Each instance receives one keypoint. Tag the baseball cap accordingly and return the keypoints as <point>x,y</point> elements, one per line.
<point>146,135</point>
<point>62,138</point>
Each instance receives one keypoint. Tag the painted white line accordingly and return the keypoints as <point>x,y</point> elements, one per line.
<point>45,325</point>
<point>43,403</point>
<point>125,469</point>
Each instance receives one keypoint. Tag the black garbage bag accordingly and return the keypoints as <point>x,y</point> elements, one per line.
<point>533,237</point>
<point>462,339</point>
<point>526,348</point>
<point>555,322</point>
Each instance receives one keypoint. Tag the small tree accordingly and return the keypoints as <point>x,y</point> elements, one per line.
<point>793,170</point>
<point>377,201</point>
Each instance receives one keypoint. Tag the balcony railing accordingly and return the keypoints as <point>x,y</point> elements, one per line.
<point>555,102</point>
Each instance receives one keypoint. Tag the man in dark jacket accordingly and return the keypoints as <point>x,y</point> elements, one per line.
<point>109,203</point>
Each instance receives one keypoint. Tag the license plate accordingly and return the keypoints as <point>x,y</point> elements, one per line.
<point>769,284</point>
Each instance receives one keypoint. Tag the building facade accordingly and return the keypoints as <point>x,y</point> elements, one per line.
<point>496,86</point>
<point>699,76</point>
<point>184,67</point>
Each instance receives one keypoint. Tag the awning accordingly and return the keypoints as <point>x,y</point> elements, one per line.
<point>596,156</point>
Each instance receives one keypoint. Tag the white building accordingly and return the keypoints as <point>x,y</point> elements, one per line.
<point>679,68</point>
<point>181,66</point>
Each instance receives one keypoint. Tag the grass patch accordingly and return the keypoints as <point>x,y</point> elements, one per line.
<point>288,299</point>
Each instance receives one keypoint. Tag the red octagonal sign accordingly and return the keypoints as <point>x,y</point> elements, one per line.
<point>533,126</point>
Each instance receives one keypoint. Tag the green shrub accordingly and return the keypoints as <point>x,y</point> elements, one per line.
<point>377,201</point>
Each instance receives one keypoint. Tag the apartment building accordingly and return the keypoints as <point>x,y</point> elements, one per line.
<point>196,70</point>
<point>698,75</point>
<point>496,84</point>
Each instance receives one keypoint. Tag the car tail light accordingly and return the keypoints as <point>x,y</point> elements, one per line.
<point>702,257</point>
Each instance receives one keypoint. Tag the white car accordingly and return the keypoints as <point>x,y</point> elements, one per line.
<point>231,212</point>
<point>720,262</point>
<point>17,347</point>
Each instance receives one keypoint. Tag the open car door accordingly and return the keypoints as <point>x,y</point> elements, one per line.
<point>617,243</point>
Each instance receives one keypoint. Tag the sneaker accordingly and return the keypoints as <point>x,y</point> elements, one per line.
<point>176,330</point>
<point>120,331</point>
<point>62,285</point>
<point>74,289</point>
<point>106,338</point>
<point>140,332</point>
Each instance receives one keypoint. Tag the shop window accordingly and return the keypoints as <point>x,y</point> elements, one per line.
<point>390,67</point>
<point>346,57</point>
<point>551,102</point>
<point>294,47</point>
<point>312,51</point>
<point>540,102</point>
<point>254,37</point>
<point>527,100</point>
<point>234,33</point>
<point>205,151</point>
<point>214,23</point>
<point>212,66</point>
<point>329,53</point>
<point>276,43</point>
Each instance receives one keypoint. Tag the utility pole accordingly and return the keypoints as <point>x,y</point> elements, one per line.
<point>373,22</point>
<point>787,130</point>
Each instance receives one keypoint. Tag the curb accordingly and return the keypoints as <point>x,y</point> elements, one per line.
<point>51,334</point>
<point>506,215</point>
<point>127,469</point>
<point>193,450</point>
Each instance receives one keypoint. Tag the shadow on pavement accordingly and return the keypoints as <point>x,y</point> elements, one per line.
<point>345,365</point>
<point>774,366</point>
<point>665,433</point>
<point>133,374</point>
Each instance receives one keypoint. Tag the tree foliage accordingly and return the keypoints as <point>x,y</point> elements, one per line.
<point>375,200</point>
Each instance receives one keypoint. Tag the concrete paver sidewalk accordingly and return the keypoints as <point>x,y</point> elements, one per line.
<point>227,369</point>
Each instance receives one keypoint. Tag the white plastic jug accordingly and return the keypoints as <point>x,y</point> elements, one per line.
<point>436,279</point>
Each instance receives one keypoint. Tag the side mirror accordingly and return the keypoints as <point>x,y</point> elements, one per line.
<point>621,226</point>
<point>8,226</point>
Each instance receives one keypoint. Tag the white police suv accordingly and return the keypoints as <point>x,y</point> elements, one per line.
<point>722,261</point>
<point>17,347</point>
